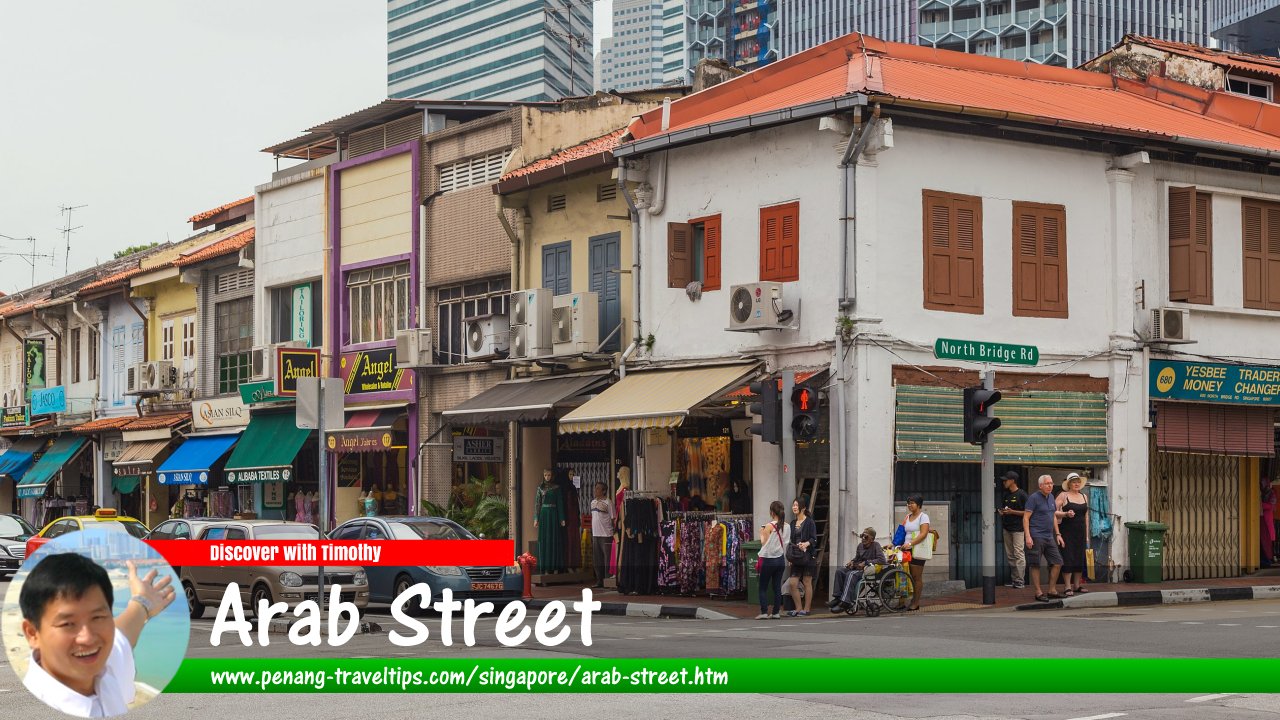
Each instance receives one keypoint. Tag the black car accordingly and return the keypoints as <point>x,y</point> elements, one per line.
<point>14,532</point>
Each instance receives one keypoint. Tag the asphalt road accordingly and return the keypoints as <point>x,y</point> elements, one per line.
<point>1223,629</point>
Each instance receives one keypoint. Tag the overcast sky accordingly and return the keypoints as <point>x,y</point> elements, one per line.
<point>150,111</point>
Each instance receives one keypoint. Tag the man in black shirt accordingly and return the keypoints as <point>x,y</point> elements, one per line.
<point>1013,507</point>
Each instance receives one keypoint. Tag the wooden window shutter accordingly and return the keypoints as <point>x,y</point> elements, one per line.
<point>769,244</point>
<point>1039,260</point>
<point>953,252</point>
<point>711,253</point>
<point>1260,235</point>
<point>1271,263</point>
<point>679,255</point>
<point>1190,245</point>
<point>780,243</point>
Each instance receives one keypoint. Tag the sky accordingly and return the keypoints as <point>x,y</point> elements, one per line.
<point>150,111</point>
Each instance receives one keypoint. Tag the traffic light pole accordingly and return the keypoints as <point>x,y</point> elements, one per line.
<point>787,478</point>
<point>989,505</point>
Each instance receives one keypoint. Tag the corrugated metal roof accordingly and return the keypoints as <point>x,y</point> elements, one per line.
<point>1036,427</point>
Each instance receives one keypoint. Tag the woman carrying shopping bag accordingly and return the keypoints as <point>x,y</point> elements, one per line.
<point>919,543</point>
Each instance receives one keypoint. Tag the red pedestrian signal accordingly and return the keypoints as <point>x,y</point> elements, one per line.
<point>804,413</point>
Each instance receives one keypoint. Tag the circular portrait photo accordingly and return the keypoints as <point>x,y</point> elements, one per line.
<point>90,624</point>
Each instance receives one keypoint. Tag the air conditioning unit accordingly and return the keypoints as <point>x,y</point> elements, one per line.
<point>262,365</point>
<point>488,337</point>
<point>575,323</point>
<point>153,376</point>
<point>530,313</point>
<point>1170,325</point>
<point>414,348</point>
<point>757,306</point>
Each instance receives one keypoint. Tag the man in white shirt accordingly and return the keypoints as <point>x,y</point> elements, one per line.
<point>602,524</point>
<point>81,657</point>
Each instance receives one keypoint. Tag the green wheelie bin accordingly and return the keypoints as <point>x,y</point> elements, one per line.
<point>1146,551</point>
<point>751,549</point>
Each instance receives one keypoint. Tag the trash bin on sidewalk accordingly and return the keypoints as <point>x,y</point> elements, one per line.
<point>751,549</point>
<point>1146,551</point>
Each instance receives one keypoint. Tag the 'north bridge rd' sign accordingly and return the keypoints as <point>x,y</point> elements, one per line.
<point>985,352</point>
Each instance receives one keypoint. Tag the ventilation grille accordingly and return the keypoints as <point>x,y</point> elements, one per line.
<point>382,137</point>
<point>742,304</point>
<point>556,202</point>
<point>232,281</point>
<point>479,170</point>
<point>606,192</point>
<point>562,324</point>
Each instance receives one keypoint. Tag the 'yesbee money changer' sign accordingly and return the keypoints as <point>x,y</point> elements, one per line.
<point>1215,382</point>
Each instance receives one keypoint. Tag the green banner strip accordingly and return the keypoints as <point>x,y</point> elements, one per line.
<point>722,675</point>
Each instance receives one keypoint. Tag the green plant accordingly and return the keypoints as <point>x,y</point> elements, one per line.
<point>134,248</point>
<point>844,326</point>
<point>476,506</point>
<point>648,342</point>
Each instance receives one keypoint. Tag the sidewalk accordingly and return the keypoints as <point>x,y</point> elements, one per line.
<point>710,608</point>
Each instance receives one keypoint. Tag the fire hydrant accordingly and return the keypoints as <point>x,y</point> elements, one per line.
<point>527,563</point>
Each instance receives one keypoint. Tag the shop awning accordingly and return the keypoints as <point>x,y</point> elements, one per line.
<point>125,485</point>
<point>64,449</point>
<point>139,458</point>
<point>1036,428</point>
<point>371,430</point>
<point>525,400</point>
<point>15,461</point>
<point>652,398</point>
<point>267,450</point>
<point>190,462</point>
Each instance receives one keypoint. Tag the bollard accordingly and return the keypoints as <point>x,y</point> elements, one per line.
<point>527,564</point>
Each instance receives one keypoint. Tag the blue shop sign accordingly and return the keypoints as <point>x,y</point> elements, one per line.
<point>1215,382</point>
<point>49,401</point>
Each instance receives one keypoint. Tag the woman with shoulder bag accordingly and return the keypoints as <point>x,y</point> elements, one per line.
<point>774,536</point>
<point>919,542</point>
<point>800,552</point>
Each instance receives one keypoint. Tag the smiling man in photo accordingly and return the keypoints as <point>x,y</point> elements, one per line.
<point>81,657</point>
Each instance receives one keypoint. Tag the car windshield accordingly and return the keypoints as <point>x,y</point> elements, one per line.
<point>12,527</point>
<point>285,532</point>
<point>135,529</point>
<point>429,530</point>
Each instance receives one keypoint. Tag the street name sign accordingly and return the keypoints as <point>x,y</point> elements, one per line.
<point>985,352</point>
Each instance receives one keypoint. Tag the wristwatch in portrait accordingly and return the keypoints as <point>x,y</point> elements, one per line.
<point>147,605</point>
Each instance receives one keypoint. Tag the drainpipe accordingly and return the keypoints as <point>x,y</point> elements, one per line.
<point>57,345</point>
<point>513,237</point>
<point>634,212</point>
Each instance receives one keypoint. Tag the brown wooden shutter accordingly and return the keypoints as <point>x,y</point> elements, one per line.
<point>711,253</point>
<point>679,255</point>
<point>937,251</point>
<point>1039,260</point>
<point>1251,221</point>
<point>770,241</point>
<point>953,252</point>
<point>1190,245</point>
<point>1271,263</point>
<point>788,243</point>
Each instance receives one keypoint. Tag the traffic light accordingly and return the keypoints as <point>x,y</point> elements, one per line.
<point>804,413</point>
<point>769,410</point>
<point>978,420</point>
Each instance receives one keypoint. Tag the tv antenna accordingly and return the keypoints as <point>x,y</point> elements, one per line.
<point>66,234</point>
<point>30,257</point>
<point>572,39</point>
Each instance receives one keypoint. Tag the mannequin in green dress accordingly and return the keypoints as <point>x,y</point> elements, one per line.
<point>549,522</point>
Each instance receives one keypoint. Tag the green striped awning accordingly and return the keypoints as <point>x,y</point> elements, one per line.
<point>1036,427</point>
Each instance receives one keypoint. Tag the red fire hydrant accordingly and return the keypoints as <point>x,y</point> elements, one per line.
<point>527,563</point>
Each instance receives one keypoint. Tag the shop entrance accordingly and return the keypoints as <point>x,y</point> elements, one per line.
<point>1198,498</point>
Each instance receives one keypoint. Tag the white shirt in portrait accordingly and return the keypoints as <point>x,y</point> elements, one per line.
<point>114,688</point>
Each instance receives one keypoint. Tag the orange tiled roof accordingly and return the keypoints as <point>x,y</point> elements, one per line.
<point>225,246</point>
<point>101,424</point>
<point>594,146</point>
<point>19,308</point>
<point>210,213</point>
<point>960,82</point>
<point>1239,61</point>
<point>113,279</point>
<point>39,424</point>
<point>158,422</point>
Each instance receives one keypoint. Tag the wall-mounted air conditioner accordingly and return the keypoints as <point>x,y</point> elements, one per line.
<point>530,313</point>
<point>153,376</point>
<point>488,337</point>
<point>1170,325</point>
<point>757,306</point>
<point>575,323</point>
<point>414,348</point>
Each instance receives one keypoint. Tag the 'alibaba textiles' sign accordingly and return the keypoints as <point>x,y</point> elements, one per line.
<point>1215,382</point>
<point>373,371</point>
<point>294,363</point>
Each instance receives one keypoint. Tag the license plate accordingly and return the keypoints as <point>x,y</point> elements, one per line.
<point>486,586</point>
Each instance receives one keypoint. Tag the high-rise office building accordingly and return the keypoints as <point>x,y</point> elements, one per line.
<point>1246,25</point>
<point>633,58</point>
<point>512,50</point>
<point>743,33</point>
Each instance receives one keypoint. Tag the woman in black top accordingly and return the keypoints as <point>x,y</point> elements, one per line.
<point>1075,532</point>
<point>804,533</point>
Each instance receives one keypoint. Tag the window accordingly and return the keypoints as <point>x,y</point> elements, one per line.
<point>1039,260</point>
<point>166,339</point>
<point>479,170</point>
<point>1260,228</point>
<point>1190,245</point>
<point>94,339</point>
<point>233,329</point>
<point>1250,87</point>
<point>377,302</point>
<point>188,348</point>
<point>487,297</point>
<point>780,243</point>
<point>75,354</point>
<point>556,202</point>
<point>117,366</point>
<point>557,268</point>
<point>693,253</point>
<point>296,313</point>
<point>952,252</point>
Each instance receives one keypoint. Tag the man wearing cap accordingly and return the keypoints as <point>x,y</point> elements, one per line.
<point>846,584</point>
<point>1013,507</point>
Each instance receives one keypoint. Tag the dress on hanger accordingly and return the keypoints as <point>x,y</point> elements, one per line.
<point>551,534</point>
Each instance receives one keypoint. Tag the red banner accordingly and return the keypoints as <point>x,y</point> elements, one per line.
<point>312,553</point>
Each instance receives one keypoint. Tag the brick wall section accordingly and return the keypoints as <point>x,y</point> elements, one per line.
<point>440,392</point>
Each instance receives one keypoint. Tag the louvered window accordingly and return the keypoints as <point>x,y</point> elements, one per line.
<point>952,252</point>
<point>1190,245</point>
<point>693,253</point>
<point>556,202</point>
<point>606,192</point>
<point>232,281</point>
<point>780,243</point>
<point>1260,228</point>
<point>479,170</point>
<point>1039,260</point>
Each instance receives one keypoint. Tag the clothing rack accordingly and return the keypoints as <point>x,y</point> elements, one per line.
<point>642,494</point>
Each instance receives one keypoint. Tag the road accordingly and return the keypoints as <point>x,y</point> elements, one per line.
<point>1222,629</point>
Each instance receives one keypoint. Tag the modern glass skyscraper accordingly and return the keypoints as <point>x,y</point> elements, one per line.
<point>512,50</point>
<point>633,59</point>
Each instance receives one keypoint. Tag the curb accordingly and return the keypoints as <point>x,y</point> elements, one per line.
<point>1179,596</point>
<point>649,610</point>
<point>281,627</point>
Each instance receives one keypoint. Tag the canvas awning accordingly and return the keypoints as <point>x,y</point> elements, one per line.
<point>653,398</point>
<point>267,450</point>
<point>139,458</point>
<point>64,449</point>
<point>190,462</point>
<point>525,400</point>
<point>15,461</point>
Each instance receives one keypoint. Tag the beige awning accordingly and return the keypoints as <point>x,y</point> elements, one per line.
<point>653,398</point>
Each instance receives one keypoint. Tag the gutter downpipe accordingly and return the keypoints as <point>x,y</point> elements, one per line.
<point>634,212</point>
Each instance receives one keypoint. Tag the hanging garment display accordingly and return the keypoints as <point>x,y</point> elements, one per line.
<point>638,569</point>
<point>549,502</point>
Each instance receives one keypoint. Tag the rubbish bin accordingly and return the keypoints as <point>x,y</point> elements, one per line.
<point>1146,551</point>
<point>751,549</point>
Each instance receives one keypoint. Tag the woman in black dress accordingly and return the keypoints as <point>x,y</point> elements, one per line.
<point>804,533</point>
<point>1075,532</point>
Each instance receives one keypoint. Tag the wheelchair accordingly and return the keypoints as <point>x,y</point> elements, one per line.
<point>882,587</point>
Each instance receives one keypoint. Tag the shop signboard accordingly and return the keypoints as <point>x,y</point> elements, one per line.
<point>1215,382</point>
<point>219,413</point>
<point>49,401</point>
<point>273,495</point>
<point>183,477</point>
<point>373,371</point>
<point>260,392</point>
<point>294,363</point>
<point>478,449</point>
<point>33,366</point>
<point>260,475</point>
<point>14,416</point>
<point>359,441</point>
<point>112,447</point>
<point>301,319</point>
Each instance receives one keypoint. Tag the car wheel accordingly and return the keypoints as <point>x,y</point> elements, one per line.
<point>403,583</point>
<point>260,592</point>
<point>194,607</point>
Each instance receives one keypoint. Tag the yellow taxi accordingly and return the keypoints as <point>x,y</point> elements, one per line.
<point>104,518</point>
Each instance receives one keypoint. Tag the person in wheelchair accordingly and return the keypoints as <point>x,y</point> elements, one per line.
<point>844,591</point>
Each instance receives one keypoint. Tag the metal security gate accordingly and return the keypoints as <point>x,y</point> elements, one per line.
<point>1198,497</point>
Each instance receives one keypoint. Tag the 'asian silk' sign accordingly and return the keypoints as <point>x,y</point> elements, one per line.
<point>373,371</point>
<point>1215,382</point>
